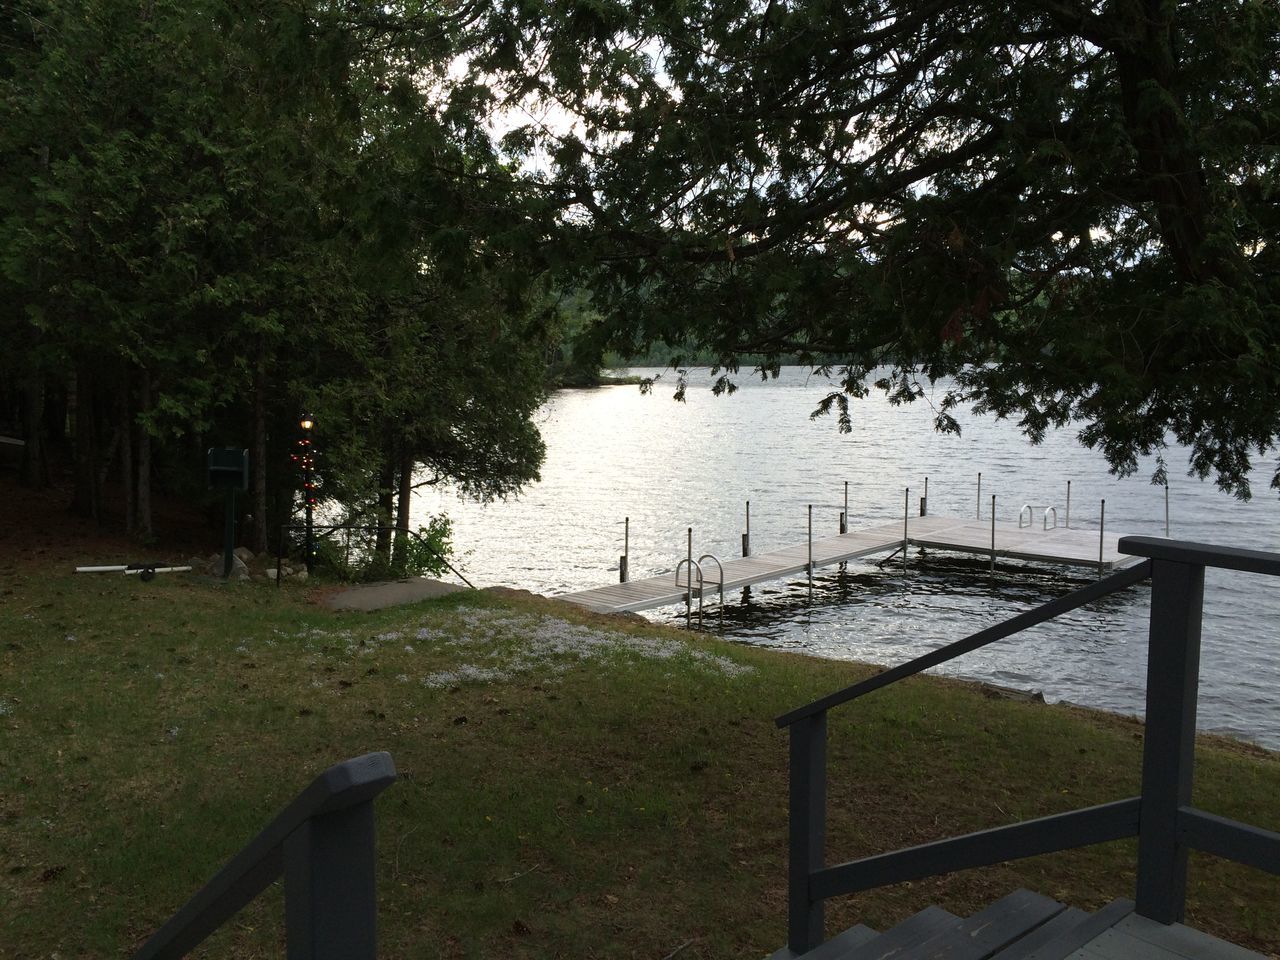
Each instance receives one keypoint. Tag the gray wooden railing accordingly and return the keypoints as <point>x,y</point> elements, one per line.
<point>1162,818</point>
<point>323,844</point>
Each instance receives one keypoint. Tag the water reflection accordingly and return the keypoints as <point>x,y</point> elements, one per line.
<point>615,453</point>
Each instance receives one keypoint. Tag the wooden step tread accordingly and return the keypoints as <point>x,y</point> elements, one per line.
<point>898,943</point>
<point>980,936</point>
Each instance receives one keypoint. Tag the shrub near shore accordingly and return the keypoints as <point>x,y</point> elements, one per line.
<point>570,785</point>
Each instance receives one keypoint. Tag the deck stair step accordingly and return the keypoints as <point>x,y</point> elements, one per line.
<point>1047,932</point>
<point>1026,926</point>
<point>1074,938</point>
<point>983,934</point>
<point>837,948</point>
<point>900,942</point>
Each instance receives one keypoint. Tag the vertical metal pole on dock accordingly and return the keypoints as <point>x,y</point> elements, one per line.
<point>1166,508</point>
<point>979,494</point>
<point>688,618</point>
<point>1102,526</point>
<point>811,548</point>
<point>993,532</point>
<point>746,537</point>
<point>1068,504</point>
<point>844,517</point>
<point>624,561</point>
<point>924,501</point>
<point>906,514</point>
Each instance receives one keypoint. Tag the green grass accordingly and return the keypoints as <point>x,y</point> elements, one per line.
<point>621,805</point>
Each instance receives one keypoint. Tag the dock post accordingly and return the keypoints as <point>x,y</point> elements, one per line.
<point>844,522</point>
<point>688,597</point>
<point>924,501</point>
<point>746,537</point>
<point>1068,524</point>
<point>623,561</point>
<point>1102,526</point>
<point>811,548</point>
<point>979,494</point>
<point>993,531</point>
<point>1166,508</point>
<point>906,514</point>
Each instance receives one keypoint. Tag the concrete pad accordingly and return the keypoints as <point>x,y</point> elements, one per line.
<point>378,596</point>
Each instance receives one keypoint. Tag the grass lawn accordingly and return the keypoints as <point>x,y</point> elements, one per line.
<point>570,785</point>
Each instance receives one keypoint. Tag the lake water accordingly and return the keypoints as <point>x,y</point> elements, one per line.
<point>613,452</point>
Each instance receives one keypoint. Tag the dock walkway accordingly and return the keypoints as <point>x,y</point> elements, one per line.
<point>1059,545</point>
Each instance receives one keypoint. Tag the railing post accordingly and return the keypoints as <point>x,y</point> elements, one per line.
<point>1102,527</point>
<point>906,515</point>
<point>1168,757</point>
<point>624,561</point>
<point>330,899</point>
<point>993,532</point>
<point>809,565</point>
<point>688,608</point>
<point>808,829</point>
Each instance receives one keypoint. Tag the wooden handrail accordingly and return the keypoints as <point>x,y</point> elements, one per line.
<point>341,797</point>
<point>1165,822</point>
<point>1202,554</point>
<point>1095,591</point>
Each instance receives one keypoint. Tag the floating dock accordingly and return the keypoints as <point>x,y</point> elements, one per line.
<point>1058,545</point>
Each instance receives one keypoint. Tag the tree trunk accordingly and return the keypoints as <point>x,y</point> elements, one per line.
<point>55,417</point>
<point>405,497</point>
<point>145,530</point>
<point>124,434</point>
<point>258,456</point>
<point>386,503</point>
<point>86,497</point>
<point>35,460</point>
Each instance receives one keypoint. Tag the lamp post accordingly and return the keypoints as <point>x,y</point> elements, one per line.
<point>307,457</point>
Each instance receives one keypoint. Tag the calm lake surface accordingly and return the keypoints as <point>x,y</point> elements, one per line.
<point>613,452</point>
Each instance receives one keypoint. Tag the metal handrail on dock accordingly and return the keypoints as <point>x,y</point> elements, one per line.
<point>1028,511</point>
<point>693,565</point>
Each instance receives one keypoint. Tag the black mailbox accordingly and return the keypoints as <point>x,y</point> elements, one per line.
<point>228,468</point>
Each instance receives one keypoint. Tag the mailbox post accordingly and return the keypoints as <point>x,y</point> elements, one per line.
<point>228,472</point>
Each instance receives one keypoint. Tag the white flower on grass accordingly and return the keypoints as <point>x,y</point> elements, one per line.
<point>548,646</point>
<point>465,673</point>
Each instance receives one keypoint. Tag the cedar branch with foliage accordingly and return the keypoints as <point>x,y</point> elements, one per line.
<point>1066,211</point>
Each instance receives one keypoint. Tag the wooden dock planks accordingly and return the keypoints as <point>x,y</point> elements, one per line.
<point>1075,547</point>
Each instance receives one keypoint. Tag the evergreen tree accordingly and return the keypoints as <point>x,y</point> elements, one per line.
<point>1068,209</point>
